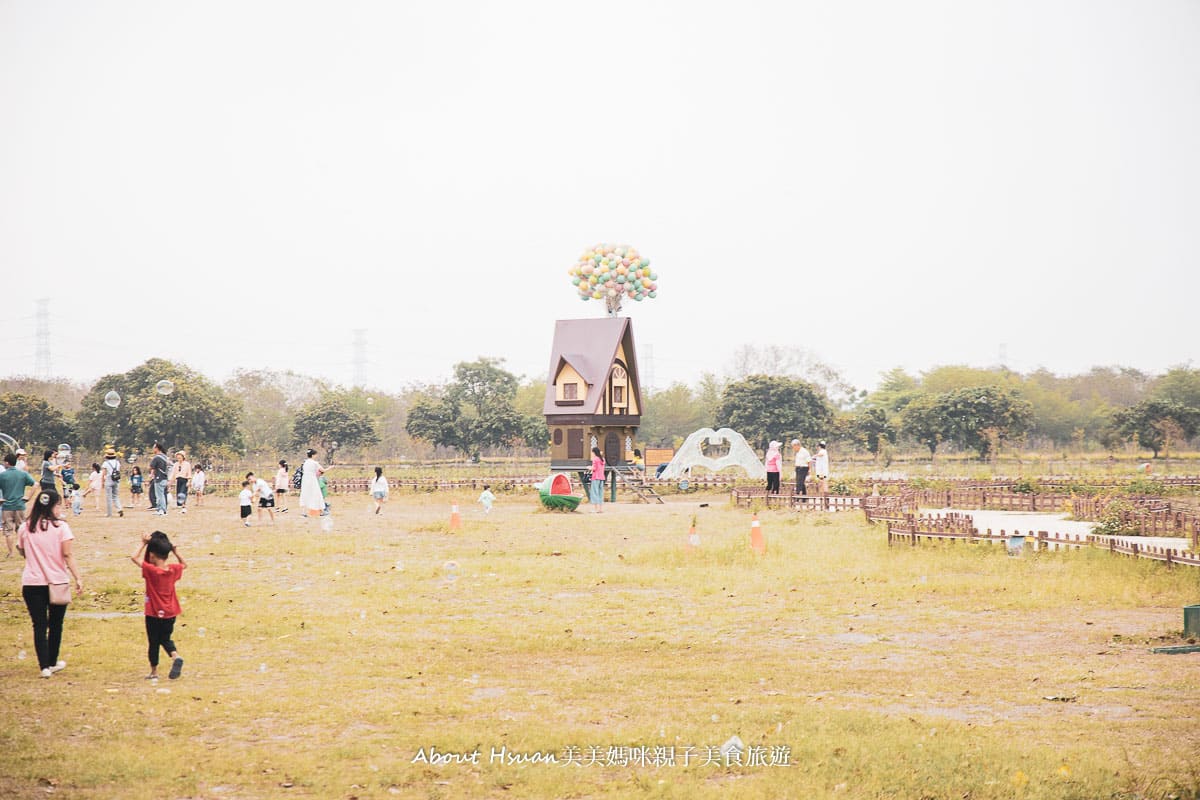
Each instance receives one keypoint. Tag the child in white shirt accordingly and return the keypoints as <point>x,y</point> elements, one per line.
<point>76,499</point>
<point>244,500</point>
<point>379,490</point>
<point>198,481</point>
<point>486,498</point>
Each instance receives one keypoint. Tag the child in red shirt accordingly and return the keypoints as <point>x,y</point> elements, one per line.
<point>162,605</point>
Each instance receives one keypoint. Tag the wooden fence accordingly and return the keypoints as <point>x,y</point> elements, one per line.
<point>960,528</point>
<point>878,508</point>
<point>972,487</point>
<point>744,497</point>
<point>992,499</point>
<point>1149,516</point>
<point>497,482</point>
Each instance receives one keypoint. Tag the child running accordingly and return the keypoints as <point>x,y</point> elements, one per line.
<point>379,490</point>
<point>245,500</point>
<point>486,498</point>
<point>162,604</point>
<point>265,495</point>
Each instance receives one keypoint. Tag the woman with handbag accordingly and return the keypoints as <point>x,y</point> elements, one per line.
<point>45,542</point>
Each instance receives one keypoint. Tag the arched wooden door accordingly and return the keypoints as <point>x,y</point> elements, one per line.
<point>612,449</point>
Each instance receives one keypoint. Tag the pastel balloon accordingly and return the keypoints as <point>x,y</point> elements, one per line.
<point>612,272</point>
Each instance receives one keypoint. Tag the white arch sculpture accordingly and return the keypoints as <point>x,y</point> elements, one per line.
<point>691,455</point>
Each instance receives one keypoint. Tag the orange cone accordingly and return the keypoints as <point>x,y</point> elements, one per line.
<point>758,542</point>
<point>455,519</point>
<point>693,540</point>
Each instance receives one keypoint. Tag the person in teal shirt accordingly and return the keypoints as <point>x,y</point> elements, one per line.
<point>13,483</point>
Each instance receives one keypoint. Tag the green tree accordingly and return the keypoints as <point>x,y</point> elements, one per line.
<point>472,413</point>
<point>793,362</point>
<point>270,401</point>
<point>1156,424</point>
<point>923,420</point>
<point>332,423</point>
<point>1180,385</point>
<point>982,417</point>
<point>1055,416</point>
<point>896,390</point>
<point>873,428</point>
<point>197,414</point>
<point>32,421</point>
<point>63,394</point>
<point>672,413</point>
<point>765,407</point>
<point>529,402</point>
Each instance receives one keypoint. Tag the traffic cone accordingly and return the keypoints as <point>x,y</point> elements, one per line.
<point>758,542</point>
<point>455,519</point>
<point>693,539</point>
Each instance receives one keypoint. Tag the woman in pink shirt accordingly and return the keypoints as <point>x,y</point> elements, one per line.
<point>774,466</point>
<point>45,542</point>
<point>596,485</point>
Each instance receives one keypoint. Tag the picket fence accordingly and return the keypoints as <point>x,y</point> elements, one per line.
<point>961,528</point>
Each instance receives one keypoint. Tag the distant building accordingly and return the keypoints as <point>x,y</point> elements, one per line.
<point>593,393</point>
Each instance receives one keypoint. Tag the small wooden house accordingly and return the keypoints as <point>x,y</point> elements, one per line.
<point>593,396</point>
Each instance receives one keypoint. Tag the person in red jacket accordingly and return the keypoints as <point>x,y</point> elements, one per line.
<point>162,604</point>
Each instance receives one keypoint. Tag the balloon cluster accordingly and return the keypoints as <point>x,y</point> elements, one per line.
<point>613,272</point>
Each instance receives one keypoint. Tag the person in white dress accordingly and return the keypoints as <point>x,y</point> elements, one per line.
<point>311,499</point>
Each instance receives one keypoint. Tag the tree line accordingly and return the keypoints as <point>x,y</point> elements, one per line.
<point>767,393</point>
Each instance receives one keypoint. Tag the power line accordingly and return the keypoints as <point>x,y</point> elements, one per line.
<point>41,349</point>
<point>360,357</point>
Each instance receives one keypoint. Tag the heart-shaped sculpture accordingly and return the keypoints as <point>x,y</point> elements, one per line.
<point>696,448</point>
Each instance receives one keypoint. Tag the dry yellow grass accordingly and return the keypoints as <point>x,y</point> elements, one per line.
<point>319,664</point>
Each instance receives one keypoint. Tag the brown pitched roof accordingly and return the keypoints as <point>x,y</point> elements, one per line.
<point>590,346</point>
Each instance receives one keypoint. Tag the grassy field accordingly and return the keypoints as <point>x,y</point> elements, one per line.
<point>333,663</point>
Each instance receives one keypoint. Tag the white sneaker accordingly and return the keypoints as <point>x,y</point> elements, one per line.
<point>247,524</point>
<point>46,673</point>
<point>59,667</point>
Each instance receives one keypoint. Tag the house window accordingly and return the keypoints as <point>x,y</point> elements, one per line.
<point>557,436</point>
<point>570,391</point>
<point>620,388</point>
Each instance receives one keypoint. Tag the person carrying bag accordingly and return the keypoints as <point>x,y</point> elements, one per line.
<point>45,542</point>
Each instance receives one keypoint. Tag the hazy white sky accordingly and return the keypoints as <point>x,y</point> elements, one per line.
<point>243,184</point>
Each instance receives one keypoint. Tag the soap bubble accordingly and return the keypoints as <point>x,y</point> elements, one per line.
<point>112,399</point>
<point>451,570</point>
<point>362,614</point>
<point>8,442</point>
<point>64,448</point>
<point>400,566</point>
<point>370,401</point>
<point>262,667</point>
<point>715,718</point>
<point>21,656</point>
<point>164,386</point>
<point>217,539</point>
<point>327,524</point>
<point>200,633</point>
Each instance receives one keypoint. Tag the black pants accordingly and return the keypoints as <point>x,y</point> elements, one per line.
<point>158,632</point>
<point>801,480</point>
<point>151,495</point>
<point>773,482</point>
<point>47,624</point>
